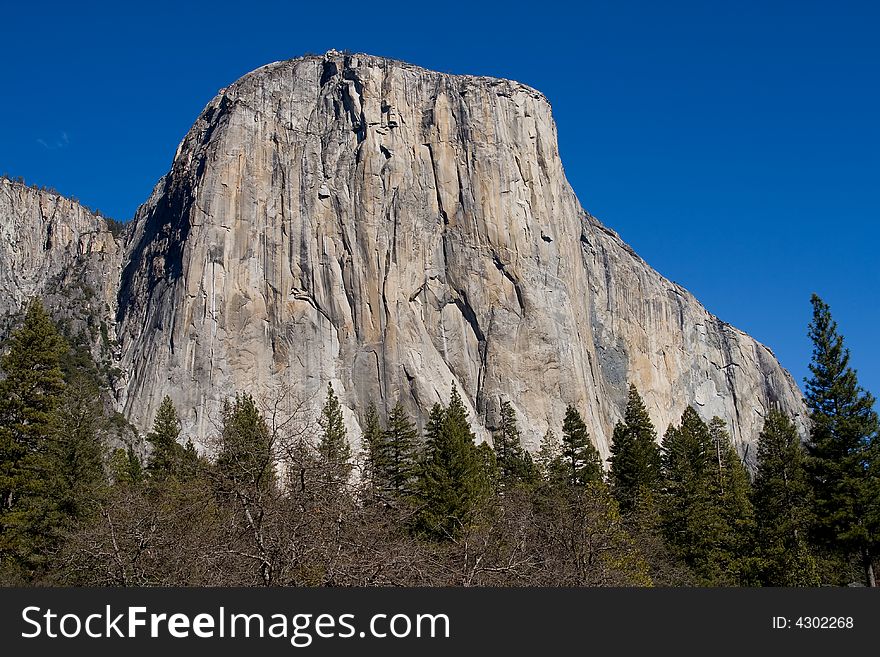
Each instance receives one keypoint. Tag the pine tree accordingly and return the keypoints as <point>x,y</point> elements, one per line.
<point>781,499</point>
<point>514,463</point>
<point>578,453</point>
<point>398,452</point>
<point>30,393</point>
<point>374,468</point>
<point>166,457</point>
<point>191,464</point>
<point>732,489</point>
<point>333,448</point>
<point>125,467</point>
<point>452,484</point>
<point>78,451</point>
<point>843,449</point>
<point>551,467</point>
<point>245,460</point>
<point>694,522</point>
<point>635,455</point>
<point>170,459</point>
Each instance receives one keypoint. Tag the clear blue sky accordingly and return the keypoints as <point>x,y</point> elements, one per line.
<point>735,145</point>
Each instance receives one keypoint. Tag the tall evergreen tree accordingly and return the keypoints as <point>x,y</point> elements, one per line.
<point>78,450</point>
<point>635,455</point>
<point>452,484</point>
<point>398,452</point>
<point>578,453</point>
<point>781,499</point>
<point>843,449</point>
<point>167,455</point>
<point>245,460</point>
<point>550,465</point>
<point>732,488</point>
<point>30,394</point>
<point>695,523</point>
<point>333,448</point>
<point>372,443</point>
<point>514,463</point>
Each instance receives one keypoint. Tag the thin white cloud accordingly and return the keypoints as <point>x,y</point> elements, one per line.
<point>50,145</point>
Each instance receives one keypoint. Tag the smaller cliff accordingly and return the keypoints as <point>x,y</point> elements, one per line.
<point>54,248</point>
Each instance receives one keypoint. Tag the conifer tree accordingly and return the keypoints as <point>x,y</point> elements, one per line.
<point>731,487</point>
<point>781,499</point>
<point>78,451</point>
<point>635,455</point>
<point>843,449</point>
<point>191,463</point>
<point>29,396</point>
<point>125,467</point>
<point>514,463</point>
<point>550,465</point>
<point>165,460</point>
<point>373,436</point>
<point>245,460</point>
<point>398,452</point>
<point>452,484</point>
<point>578,453</point>
<point>333,448</point>
<point>694,522</point>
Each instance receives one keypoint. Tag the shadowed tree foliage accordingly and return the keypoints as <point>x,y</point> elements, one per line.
<point>79,449</point>
<point>245,460</point>
<point>372,445</point>
<point>514,463</point>
<point>843,450</point>
<point>635,455</point>
<point>704,501</point>
<point>399,453</point>
<point>334,451</point>
<point>169,458</point>
<point>578,453</point>
<point>30,395</point>
<point>453,482</point>
<point>781,499</point>
<point>731,488</point>
<point>125,467</point>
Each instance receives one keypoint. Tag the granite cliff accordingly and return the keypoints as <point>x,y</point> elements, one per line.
<point>392,230</point>
<point>54,248</point>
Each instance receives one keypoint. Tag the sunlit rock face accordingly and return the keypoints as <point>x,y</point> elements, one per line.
<point>396,231</point>
<point>54,248</point>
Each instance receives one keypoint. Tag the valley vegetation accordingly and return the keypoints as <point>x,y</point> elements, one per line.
<point>281,500</point>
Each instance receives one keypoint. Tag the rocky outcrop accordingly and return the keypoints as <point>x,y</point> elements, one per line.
<point>54,248</point>
<point>396,231</point>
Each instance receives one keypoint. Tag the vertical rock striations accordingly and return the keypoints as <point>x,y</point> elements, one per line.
<point>54,248</point>
<point>394,231</point>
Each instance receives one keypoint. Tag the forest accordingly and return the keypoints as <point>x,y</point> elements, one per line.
<point>280,499</point>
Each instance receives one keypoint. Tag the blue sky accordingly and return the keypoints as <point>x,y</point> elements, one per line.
<point>735,146</point>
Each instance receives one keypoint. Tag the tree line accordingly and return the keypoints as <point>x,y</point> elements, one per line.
<point>280,498</point>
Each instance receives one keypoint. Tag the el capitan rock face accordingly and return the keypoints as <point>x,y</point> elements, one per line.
<point>394,230</point>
